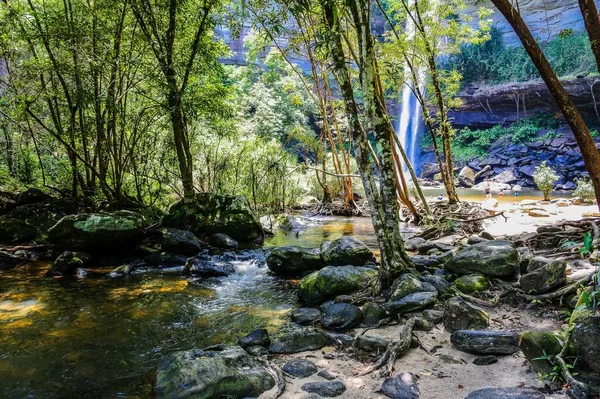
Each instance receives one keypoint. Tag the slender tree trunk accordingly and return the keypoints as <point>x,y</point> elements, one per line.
<point>591,156</point>
<point>181,143</point>
<point>591,19</point>
<point>394,259</point>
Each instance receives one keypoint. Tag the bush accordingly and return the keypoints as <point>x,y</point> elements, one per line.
<point>584,189</point>
<point>544,178</point>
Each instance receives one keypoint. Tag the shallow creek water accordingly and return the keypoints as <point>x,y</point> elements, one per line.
<point>98,337</point>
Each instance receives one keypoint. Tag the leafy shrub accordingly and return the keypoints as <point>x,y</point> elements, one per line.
<point>544,178</point>
<point>584,189</point>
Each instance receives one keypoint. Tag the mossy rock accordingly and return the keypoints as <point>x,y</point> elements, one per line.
<point>472,283</point>
<point>293,339</point>
<point>460,315</point>
<point>207,214</point>
<point>98,231</point>
<point>43,215</point>
<point>538,344</point>
<point>408,284</point>
<point>347,251</point>
<point>220,372</point>
<point>14,231</point>
<point>294,261</point>
<point>332,281</point>
<point>545,278</point>
<point>496,258</point>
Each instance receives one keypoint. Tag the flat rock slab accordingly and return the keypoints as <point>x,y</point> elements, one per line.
<point>300,368</point>
<point>409,303</point>
<point>328,389</point>
<point>340,316</point>
<point>506,393</point>
<point>401,386</point>
<point>486,342</point>
<point>306,316</point>
<point>294,340</point>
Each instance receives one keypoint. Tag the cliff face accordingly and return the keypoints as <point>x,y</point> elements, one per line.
<point>484,107</point>
<point>545,18</point>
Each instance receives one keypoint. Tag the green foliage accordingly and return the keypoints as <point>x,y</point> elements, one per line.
<point>493,62</point>
<point>544,178</point>
<point>556,375</point>
<point>584,189</point>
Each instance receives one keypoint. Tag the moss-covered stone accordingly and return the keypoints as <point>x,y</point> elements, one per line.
<point>585,338</point>
<point>209,213</point>
<point>98,231</point>
<point>179,241</point>
<point>332,281</point>
<point>459,315</point>
<point>222,372</point>
<point>408,284</point>
<point>294,261</point>
<point>347,251</point>
<point>495,258</point>
<point>472,283</point>
<point>538,344</point>
<point>14,231</point>
<point>544,278</point>
<point>293,339</point>
<point>372,313</point>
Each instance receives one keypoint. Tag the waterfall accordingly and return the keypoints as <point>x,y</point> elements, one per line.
<point>410,125</point>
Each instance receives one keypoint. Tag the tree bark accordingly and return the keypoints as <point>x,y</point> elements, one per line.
<point>589,152</point>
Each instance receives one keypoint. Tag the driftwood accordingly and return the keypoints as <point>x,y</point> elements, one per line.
<point>394,350</point>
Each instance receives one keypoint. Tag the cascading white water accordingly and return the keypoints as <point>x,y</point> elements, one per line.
<point>410,125</point>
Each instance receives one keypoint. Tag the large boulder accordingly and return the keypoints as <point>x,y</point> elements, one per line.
<point>221,240</point>
<point>466,177</point>
<point>294,261</point>
<point>67,263</point>
<point>332,281</point>
<point>179,241</point>
<point>585,338</point>
<point>347,251</point>
<point>507,177</point>
<point>412,302</point>
<point>98,231</point>
<point>460,315</point>
<point>208,214</point>
<point>545,278</point>
<point>408,284</point>
<point>43,215</point>
<point>495,258</point>
<point>219,372</point>
<point>14,231</point>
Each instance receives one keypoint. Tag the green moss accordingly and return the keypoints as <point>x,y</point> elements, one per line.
<point>472,283</point>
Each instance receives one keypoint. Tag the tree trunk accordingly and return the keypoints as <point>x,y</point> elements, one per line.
<point>394,259</point>
<point>591,19</point>
<point>181,144</point>
<point>591,156</point>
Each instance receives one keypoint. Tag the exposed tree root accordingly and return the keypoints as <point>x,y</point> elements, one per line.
<point>277,375</point>
<point>395,350</point>
<point>464,218</point>
<point>481,302</point>
<point>560,293</point>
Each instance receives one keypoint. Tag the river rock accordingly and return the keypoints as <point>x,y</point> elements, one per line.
<point>486,342</point>
<point>408,284</point>
<point>328,375</point>
<point>294,339</point>
<point>466,177</point>
<point>433,316</point>
<point>585,338</point>
<point>537,344</point>
<point>67,263</point>
<point>207,266</point>
<point>220,372</point>
<point>413,243</point>
<point>294,261</point>
<point>401,386</point>
<point>257,350</point>
<point>165,259</point>
<point>222,240</point>
<point>442,285</point>
<point>8,261</point>
<point>257,337</point>
<point>347,251</point>
<point>306,316</point>
<point>485,360</point>
<point>14,231</point>
<point>300,368</point>
<point>372,313</point>
<point>425,262</point>
<point>506,393</point>
<point>411,302</point>
<point>370,343</point>
<point>535,262</point>
<point>460,315</point>
<point>340,316</point>
<point>505,177</point>
<point>179,241</point>
<point>332,281</point>
<point>45,214</point>
<point>495,258</point>
<point>327,389</point>
<point>538,213</point>
<point>544,278</point>
<point>472,283</point>
<point>210,213</point>
<point>98,231</point>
